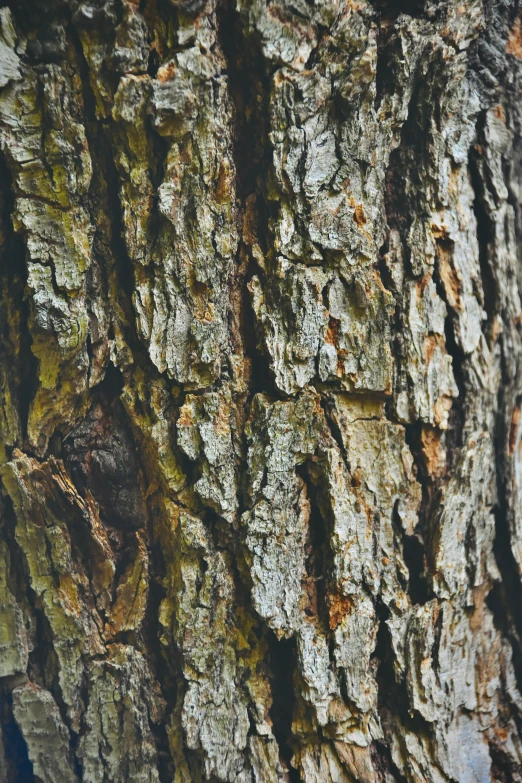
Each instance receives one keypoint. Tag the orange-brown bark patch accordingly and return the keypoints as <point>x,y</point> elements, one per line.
<point>332,332</point>
<point>514,43</point>
<point>513,430</point>
<point>431,343</point>
<point>358,215</point>
<point>420,285</point>
<point>250,221</point>
<point>450,280</point>
<point>309,603</point>
<point>433,451</point>
<point>166,72</point>
<point>222,420</point>
<point>499,112</point>
<point>479,594</point>
<point>185,417</point>
<point>339,606</point>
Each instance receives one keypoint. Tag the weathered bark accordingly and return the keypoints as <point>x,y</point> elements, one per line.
<point>260,432</point>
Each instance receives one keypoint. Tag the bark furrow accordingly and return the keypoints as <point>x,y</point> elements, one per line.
<point>261,379</point>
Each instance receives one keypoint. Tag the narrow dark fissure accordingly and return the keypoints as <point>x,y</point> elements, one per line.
<point>484,228</point>
<point>384,765</point>
<point>457,414</point>
<point>23,374</point>
<point>19,768</point>
<point>43,669</point>
<point>414,557</point>
<point>282,660</point>
<point>249,92</point>
<point>505,596</point>
<point>402,185</point>
<point>42,666</point>
<point>392,8</point>
<point>392,695</point>
<point>164,669</point>
<point>414,553</point>
<point>249,88</point>
<point>417,549</point>
<point>104,200</point>
<point>389,693</point>
<point>387,279</point>
<point>335,432</point>
<point>512,166</point>
<point>318,553</point>
<point>403,176</point>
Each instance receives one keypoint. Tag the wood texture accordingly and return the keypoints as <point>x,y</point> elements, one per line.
<point>261,389</point>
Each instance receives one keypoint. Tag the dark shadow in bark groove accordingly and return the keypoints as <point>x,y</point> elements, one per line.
<point>391,8</point>
<point>457,416</point>
<point>318,553</point>
<point>15,270</point>
<point>383,653</point>
<point>415,559</point>
<point>393,698</point>
<point>163,669</point>
<point>15,748</point>
<point>505,597</point>
<point>424,527</point>
<point>43,666</point>
<point>282,660</point>
<point>249,90</point>
<point>384,765</point>
<point>101,457</point>
<point>484,228</point>
<point>503,770</point>
<point>165,665</point>
<point>105,188</point>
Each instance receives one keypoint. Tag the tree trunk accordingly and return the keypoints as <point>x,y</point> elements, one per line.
<point>261,380</point>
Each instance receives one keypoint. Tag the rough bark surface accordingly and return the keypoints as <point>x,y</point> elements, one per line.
<point>261,391</point>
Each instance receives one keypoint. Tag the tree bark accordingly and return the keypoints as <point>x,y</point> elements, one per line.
<point>261,382</point>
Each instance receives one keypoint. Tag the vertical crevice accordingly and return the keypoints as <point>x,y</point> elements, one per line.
<point>318,555</point>
<point>42,667</point>
<point>249,93</point>
<point>249,89</point>
<point>505,596</point>
<point>414,553</point>
<point>484,227</point>
<point>111,249</point>
<point>457,415</point>
<point>20,364</point>
<point>384,766</point>
<point>165,670</point>
<point>282,660</point>
<point>19,768</point>
<point>390,9</point>
<point>393,699</point>
<point>104,202</point>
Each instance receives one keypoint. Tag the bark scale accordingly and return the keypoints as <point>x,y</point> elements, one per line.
<point>260,433</point>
